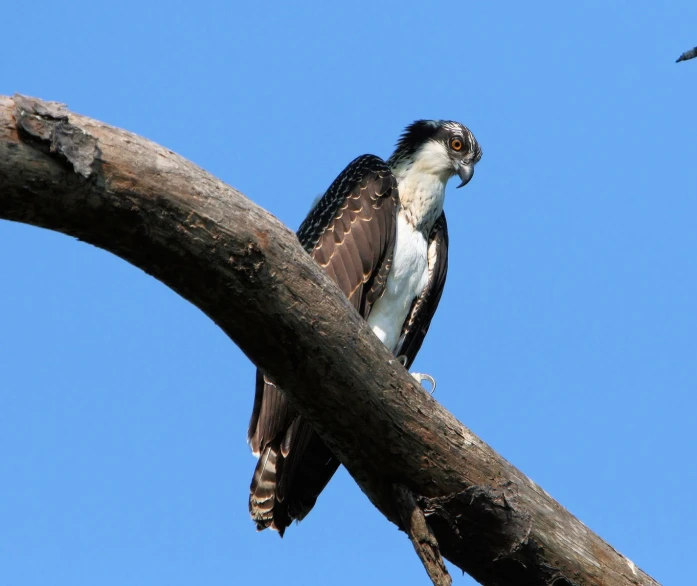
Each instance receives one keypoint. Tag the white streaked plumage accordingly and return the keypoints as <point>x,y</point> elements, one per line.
<point>421,182</point>
<point>405,282</point>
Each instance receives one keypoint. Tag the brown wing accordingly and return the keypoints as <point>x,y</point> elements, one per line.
<point>423,308</point>
<point>350,233</point>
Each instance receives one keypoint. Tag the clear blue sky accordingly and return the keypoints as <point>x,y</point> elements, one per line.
<point>566,337</point>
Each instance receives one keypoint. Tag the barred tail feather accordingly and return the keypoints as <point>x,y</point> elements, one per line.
<point>264,506</point>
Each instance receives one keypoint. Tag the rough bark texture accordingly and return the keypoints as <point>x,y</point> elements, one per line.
<point>425,543</point>
<point>246,271</point>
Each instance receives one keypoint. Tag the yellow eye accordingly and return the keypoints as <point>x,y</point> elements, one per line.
<point>456,144</point>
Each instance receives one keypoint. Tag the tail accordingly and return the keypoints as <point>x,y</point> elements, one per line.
<point>294,464</point>
<point>264,507</point>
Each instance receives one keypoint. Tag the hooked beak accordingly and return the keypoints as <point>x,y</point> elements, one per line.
<point>465,172</point>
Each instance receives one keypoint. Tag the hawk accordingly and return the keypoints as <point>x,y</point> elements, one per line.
<point>380,233</point>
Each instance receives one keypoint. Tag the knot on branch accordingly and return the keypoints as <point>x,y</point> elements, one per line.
<point>467,512</point>
<point>486,522</point>
<point>46,125</point>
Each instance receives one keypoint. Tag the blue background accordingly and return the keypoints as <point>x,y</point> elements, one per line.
<point>566,337</point>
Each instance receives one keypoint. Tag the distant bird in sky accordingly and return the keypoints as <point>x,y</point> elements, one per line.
<point>691,54</point>
<point>380,233</point>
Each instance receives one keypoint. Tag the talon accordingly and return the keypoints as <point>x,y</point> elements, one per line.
<point>420,378</point>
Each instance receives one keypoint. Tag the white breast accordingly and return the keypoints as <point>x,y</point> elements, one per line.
<point>421,193</point>
<point>406,281</point>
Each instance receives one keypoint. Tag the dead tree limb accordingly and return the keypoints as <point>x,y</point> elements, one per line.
<point>247,272</point>
<point>425,544</point>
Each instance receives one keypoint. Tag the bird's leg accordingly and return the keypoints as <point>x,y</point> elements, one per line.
<point>419,377</point>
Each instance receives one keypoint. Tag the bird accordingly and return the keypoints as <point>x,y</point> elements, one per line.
<point>380,233</point>
<point>691,54</point>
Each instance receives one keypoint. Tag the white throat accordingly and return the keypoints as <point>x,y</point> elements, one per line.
<point>421,180</point>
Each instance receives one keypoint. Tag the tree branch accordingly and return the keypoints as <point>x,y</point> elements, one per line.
<point>247,272</point>
<point>425,544</point>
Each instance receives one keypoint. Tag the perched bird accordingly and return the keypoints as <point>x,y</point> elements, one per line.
<point>380,233</point>
<point>691,54</point>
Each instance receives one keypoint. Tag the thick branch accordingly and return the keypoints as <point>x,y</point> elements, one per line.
<point>246,271</point>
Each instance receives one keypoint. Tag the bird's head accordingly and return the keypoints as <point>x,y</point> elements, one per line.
<point>440,147</point>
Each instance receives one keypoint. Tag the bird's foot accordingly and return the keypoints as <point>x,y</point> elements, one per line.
<point>418,377</point>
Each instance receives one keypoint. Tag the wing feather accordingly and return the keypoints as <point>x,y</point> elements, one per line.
<point>363,260</point>
<point>350,233</point>
<point>270,413</point>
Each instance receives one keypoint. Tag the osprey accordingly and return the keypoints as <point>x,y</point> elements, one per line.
<point>380,233</point>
